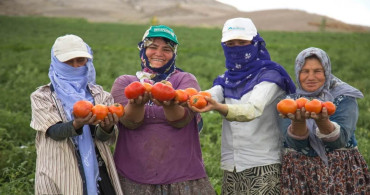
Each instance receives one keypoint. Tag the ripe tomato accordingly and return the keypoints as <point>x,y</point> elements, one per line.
<point>198,101</point>
<point>148,86</point>
<point>101,111</point>
<point>205,93</point>
<point>313,106</point>
<point>301,102</point>
<point>181,95</point>
<point>82,108</point>
<point>330,107</point>
<point>286,106</point>
<point>134,90</point>
<point>117,108</point>
<point>191,91</point>
<point>163,92</point>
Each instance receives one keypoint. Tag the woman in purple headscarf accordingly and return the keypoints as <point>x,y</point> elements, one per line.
<point>321,155</point>
<point>246,96</point>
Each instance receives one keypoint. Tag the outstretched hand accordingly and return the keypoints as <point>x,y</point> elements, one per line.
<point>141,100</point>
<point>109,121</point>
<point>79,122</point>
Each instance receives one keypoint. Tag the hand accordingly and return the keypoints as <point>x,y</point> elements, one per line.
<point>79,122</point>
<point>299,116</point>
<point>141,100</point>
<point>322,116</point>
<point>108,122</point>
<point>211,105</point>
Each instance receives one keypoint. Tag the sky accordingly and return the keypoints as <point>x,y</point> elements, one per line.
<point>348,11</point>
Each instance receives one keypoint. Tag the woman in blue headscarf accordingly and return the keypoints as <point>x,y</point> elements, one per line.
<point>73,153</point>
<point>246,96</point>
<point>321,155</point>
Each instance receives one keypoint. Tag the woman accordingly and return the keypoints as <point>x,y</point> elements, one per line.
<point>246,96</point>
<point>321,155</point>
<point>73,155</point>
<point>158,149</point>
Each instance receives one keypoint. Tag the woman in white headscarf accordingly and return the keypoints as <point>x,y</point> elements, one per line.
<point>321,155</point>
<point>73,153</point>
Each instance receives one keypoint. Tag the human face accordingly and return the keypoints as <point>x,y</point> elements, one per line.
<point>237,42</point>
<point>312,75</point>
<point>159,53</point>
<point>76,62</point>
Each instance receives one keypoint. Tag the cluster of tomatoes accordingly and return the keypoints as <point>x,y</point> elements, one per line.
<point>82,108</point>
<point>163,91</point>
<point>286,106</point>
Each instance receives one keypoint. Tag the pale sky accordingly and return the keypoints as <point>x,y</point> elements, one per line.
<point>348,11</point>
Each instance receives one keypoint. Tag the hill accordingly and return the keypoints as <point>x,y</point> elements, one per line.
<point>191,13</point>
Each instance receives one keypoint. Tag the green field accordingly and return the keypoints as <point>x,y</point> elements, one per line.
<point>25,44</point>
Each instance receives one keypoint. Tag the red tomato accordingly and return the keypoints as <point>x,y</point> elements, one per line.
<point>286,106</point>
<point>117,108</point>
<point>101,111</point>
<point>163,92</point>
<point>301,102</point>
<point>205,93</point>
<point>181,95</point>
<point>191,91</point>
<point>82,108</point>
<point>148,86</point>
<point>330,107</point>
<point>198,101</point>
<point>134,90</point>
<point>313,106</point>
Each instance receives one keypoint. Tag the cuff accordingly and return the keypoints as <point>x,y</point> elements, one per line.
<point>296,137</point>
<point>239,113</point>
<point>183,121</point>
<point>331,136</point>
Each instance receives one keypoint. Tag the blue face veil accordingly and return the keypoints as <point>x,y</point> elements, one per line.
<point>71,85</point>
<point>249,65</point>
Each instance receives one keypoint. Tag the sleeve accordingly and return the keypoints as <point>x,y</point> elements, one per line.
<point>44,111</point>
<point>217,93</point>
<point>62,131</point>
<point>346,117</point>
<point>262,94</point>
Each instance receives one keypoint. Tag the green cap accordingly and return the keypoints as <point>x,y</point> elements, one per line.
<point>161,31</point>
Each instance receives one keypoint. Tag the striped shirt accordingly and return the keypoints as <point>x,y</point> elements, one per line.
<point>57,169</point>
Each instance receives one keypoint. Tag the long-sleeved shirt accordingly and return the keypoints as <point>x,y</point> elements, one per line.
<point>250,133</point>
<point>57,169</point>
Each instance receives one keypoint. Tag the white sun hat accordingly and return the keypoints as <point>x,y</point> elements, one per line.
<point>238,28</point>
<point>70,46</point>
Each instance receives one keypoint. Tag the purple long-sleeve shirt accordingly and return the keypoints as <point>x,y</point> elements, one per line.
<point>155,152</point>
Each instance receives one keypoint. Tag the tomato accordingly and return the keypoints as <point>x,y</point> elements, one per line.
<point>134,90</point>
<point>301,102</point>
<point>82,108</point>
<point>198,101</point>
<point>205,93</point>
<point>148,86</point>
<point>313,106</point>
<point>330,107</point>
<point>181,95</point>
<point>286,106</point>
<point>191,91</point>
<point>101,111</point>
<point>117,108</point>
<point>163,92</point>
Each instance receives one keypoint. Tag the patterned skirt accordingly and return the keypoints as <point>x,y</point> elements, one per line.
<point>257,180</point>
<point>199,187</point>
<point>347,173</point>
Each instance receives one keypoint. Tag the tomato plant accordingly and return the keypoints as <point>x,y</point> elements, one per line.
<point>330,107</point>
<point>117,108</point>
<point>163,92</point>
<point>301,102</point>
<point>101,111</point>
<point>286,106</point>
<point>134,90</point>
<point>181,95</point>
<point>82,108</point>
<point>313,106</point>
<point>198,101</point>
<point>191,91</point>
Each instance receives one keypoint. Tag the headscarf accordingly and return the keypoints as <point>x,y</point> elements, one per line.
<point>332,88</point>
<point>151,74</point>
<point>248,66</point>
<point>70,86</point>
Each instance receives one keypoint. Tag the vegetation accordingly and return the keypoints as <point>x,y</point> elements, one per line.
<point>25,44</point>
